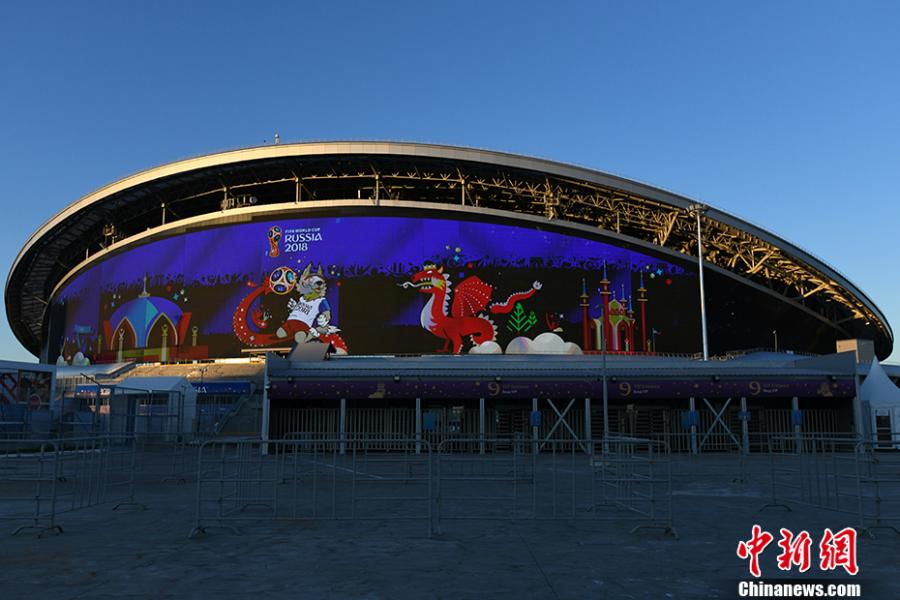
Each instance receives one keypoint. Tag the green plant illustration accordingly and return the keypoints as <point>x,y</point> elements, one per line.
<point>520,321</point>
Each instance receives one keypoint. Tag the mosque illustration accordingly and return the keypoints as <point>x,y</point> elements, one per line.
<point>149,328</point>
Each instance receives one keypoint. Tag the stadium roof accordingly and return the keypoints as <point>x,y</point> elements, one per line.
<point>238,185</point>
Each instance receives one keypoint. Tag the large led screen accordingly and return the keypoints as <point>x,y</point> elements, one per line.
<point>373,285</point>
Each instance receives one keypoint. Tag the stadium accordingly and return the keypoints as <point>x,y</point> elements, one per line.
<point>420,289</point>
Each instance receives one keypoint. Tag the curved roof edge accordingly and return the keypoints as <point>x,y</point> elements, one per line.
<point>438,151</point>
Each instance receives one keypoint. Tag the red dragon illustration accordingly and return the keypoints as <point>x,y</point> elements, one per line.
<point>260,317</point>
<point>239,321</point>
<point>466,317</point>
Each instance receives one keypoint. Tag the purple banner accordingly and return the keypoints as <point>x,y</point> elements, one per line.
<point>620,389</point>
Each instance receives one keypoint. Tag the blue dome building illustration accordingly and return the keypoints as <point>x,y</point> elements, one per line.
<point>146,327</point>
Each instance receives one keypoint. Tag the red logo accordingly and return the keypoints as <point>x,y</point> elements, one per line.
<point>753,547</point>
<point>838,550</point>
<point>835,550</point>
<point>794,550</point>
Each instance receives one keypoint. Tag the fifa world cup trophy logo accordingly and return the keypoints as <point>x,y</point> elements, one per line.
<point>274,239</point>
<point>282,280</point>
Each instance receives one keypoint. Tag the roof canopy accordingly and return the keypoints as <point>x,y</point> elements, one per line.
<point>154,384</point>
<point>159,201</point>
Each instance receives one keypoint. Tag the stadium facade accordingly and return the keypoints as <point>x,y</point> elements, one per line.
<point>408,250</point>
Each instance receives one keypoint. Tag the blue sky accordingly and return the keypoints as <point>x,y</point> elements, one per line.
<point>785,113</point>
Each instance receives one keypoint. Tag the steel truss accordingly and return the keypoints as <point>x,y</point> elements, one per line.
<point>582,202</point>
<point>434,180</point>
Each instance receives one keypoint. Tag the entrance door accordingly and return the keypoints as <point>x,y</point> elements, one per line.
<point>884,432</point>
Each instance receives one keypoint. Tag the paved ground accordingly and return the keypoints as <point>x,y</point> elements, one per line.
<point>147,554</point>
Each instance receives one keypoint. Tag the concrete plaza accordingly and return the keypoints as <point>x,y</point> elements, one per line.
<point>106,553</point>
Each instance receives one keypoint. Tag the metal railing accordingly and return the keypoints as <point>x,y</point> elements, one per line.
<point>41,479</point>
<point>619,479</point>
<point>232,412</point>
<point>880,483</point>
<point>247,481</point>
<point>848,475</point>
<point>365,476</point>
<point>817,471</point>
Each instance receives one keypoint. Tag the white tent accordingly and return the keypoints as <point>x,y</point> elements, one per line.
<point>881,397</point>
<point>181,401</point>
<point>154,384</point>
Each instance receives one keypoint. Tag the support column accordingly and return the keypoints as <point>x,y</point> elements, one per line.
<point>481,425</point>
<point>642,299</point>
<point>630,329</point>
<point>745,429</point>
<point>534,428</point>
<point>343,431</point>
<point>607,330</point>
<point>693,414</point>
<point>795,412</point>
<point>588,435</point>
<point>697,208</point>
<point>859,426</point>
<point>266,410</point>
<point>418,425</point>
<point>605,382</point>
<point>585,318</point>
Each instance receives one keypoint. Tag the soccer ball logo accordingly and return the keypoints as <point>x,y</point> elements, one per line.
<point>282,280</point>
<point>274,238</point>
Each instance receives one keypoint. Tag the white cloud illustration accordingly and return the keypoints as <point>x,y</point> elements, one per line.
<point>491,347</point>
<point>546,343</point>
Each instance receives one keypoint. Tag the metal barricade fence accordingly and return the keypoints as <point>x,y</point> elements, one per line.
<point>156,422</point>
<point>487,478</point>
<point>96,470</point>
<point>812,443</point>
<point>168,458</point>
<point>823,472</point>
<point>635,476</point>
<point>705,468</point>
<point>41,479</point>
<point>618,479</point>
<point>375,441</point>
<point>13,421</point>
<point>28,479</point>
<point>750,468</point>
<point>879,502</point>
<point>251,481</point>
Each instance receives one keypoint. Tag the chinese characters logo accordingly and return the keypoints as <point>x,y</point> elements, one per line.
<point>835,550</point>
